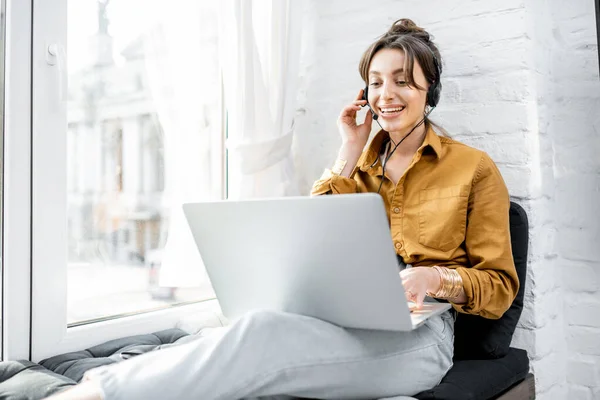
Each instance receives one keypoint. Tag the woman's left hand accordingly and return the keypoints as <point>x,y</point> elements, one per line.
<point>417,281</point>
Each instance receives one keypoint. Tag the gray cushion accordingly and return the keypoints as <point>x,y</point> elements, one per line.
<point>24,380</point>
<point>74,365</point>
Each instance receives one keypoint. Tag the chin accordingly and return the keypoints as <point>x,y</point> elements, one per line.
<point>396,127</point>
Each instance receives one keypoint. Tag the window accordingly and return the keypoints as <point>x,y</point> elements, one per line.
<point>118,223</point>
<point>137,131</point>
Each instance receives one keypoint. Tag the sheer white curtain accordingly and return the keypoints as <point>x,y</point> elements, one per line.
<point>182,65</point>
<point>260,52</point>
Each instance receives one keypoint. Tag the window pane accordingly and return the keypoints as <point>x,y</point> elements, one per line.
<point>144,135</point>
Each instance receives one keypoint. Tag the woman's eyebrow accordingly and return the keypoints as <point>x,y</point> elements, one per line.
<point>394,72</point>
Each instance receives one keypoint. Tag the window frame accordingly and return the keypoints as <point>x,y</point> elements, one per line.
<point>49,332</point>
<point>16,227</point>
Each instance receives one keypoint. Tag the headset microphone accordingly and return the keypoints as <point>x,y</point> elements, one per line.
<point>375,116</point>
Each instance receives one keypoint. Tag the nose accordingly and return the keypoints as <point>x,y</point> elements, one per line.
<point>387,92</point>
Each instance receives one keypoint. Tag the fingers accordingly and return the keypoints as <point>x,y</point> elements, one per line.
<point>360,94</point>
<point>349,111</point>
<point>357,104</point>
<point>414,296</point>
<point>348,114</point>
<point>368,119</point>
<point>415,286</point>
<point>419,300</point>
<point>359,99</point>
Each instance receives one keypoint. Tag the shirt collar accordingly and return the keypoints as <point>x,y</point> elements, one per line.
<point>370,159</point>
<point>432,140</point>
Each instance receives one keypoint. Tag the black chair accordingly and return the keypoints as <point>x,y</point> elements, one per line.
<point>485,366</point>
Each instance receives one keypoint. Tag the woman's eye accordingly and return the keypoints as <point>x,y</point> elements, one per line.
<point>402,83</point>
<point>374,84</point>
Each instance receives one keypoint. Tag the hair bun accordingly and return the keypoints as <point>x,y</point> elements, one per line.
<point>405,26</point>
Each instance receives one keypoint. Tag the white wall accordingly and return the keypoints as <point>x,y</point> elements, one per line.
<point>568,89</point>
<point>520,82</point>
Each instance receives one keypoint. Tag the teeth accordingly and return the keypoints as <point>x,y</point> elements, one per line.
<point>386,110</point>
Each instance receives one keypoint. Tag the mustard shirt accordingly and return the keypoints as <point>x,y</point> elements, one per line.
<point>450,208</point>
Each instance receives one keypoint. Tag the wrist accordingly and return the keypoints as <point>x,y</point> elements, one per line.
<point>339,166</point>
<point>353,145</point>
<point>350,152</point>
<point>450,285</point>
<point>435,281</point>
<point>348,156</point>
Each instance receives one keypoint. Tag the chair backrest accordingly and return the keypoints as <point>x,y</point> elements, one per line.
<point>480,338</point>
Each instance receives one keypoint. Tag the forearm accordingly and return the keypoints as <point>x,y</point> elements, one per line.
<point>339,181</point>
<point>490,289</point>
<point>350,153</point>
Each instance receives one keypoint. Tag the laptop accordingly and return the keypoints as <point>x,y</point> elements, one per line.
<point>328,257</point>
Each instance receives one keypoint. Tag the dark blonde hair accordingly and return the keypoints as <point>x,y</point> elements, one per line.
<point>416,44</point>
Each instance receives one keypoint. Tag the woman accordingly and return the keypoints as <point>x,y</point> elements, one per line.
<point>448,211</point>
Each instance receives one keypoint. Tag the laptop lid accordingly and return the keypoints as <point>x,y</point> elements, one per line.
<point>330,257</point>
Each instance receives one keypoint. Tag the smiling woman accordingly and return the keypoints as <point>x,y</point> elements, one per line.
<point>429,196</point>
<point>429,184</point>
<point>112,119</point>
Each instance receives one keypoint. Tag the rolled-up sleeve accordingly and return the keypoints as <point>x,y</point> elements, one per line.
<point>491,283</point>
<point>333,184</point>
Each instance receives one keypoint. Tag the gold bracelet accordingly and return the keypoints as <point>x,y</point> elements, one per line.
<point>430,294</point>
<point>338,167</point>
<point>458,284</point>
<point>450,285</point>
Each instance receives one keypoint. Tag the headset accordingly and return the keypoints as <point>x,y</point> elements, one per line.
<point>433,93</point>
<point>433,98</point>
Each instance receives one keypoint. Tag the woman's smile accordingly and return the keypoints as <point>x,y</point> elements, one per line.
<point>391,112</point>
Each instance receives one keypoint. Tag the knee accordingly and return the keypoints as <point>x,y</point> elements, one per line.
<point>262,317</point>
<point>263,320</point>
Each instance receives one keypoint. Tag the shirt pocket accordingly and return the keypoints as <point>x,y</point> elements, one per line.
<point>443,216</point>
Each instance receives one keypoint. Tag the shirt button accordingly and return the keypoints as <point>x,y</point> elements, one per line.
<point>397,210</point>
<point>399,245</point>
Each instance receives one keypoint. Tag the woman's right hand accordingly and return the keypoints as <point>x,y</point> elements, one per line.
<point>353,134</point>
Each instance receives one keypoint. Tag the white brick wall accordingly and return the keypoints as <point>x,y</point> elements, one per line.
<point>520,82</point>
<point>565,64</point>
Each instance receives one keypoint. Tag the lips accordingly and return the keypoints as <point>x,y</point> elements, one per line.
<point>390,112</point>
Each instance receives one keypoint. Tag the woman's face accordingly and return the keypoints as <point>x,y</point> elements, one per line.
<point>399,106</point>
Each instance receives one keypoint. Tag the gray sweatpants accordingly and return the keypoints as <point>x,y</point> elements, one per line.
<point>270,353</point>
